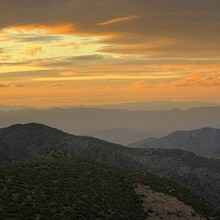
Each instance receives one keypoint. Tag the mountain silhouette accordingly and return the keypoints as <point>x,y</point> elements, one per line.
<point>203,142</point>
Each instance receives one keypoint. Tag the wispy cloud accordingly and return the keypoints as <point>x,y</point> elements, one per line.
<point>35,38</point>
<point>118,20</point>
<point>33,49</point>
<point>196,79</point>
<point>5,57</point>
<point>4,85</point>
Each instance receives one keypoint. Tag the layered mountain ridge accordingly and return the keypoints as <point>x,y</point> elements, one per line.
<point>203,142</point>
<point>114,123</point>
<point>24,142</point>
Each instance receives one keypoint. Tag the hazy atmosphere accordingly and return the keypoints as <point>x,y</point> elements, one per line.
<point>110,110</point>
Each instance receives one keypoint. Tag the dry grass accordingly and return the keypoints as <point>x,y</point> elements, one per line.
<point>160,206</point>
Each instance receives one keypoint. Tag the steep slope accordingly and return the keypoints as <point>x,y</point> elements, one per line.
<point>74,188</point>
<point>22,142</point>
<point>203,142</point>
<point>200,175</point>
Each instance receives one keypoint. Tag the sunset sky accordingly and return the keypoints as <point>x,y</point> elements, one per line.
<point>95,52</point>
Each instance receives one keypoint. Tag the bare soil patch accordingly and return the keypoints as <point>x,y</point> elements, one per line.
<point>161,206</point>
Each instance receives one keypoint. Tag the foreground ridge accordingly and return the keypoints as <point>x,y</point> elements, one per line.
<point>67,188</point>
<point>25,142</point>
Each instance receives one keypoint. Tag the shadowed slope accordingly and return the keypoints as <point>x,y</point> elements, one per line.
<point>200,175</point>
<point>75,188</point>
<point>203,142</point>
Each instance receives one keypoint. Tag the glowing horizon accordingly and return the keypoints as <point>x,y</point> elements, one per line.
<point>114,53</point>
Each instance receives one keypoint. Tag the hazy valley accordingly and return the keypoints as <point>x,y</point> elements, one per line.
<point>116,125</point>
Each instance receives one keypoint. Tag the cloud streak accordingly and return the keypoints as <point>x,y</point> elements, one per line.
<point>4,85</point>
<point>197,80</point>
<point>119,20</point>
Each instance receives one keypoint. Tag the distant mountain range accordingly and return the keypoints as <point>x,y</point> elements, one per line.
<point>159,105</point>
<point>24,142</point>
<point>133,106</point>
<point>106,122</point>
<point>203,142</point>
<point>11,107</point>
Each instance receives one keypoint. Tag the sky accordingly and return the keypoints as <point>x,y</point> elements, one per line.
<point>95,52</point>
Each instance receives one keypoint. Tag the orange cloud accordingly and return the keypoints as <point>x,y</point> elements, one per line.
<point>68,74</point>
<point>2,85</point>
<point>52,29</point>
<point>5,57</point>
<point>58,29</point>
<point>33,49</point>
<point>196,79</point>
<point>143,84</point>
<point>118,20</point>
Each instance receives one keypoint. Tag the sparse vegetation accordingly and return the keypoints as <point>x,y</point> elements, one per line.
<point>200,175</point>
<point>76,188</point>
<point>67,189</point>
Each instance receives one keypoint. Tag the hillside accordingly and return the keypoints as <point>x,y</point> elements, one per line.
<point>203,142</point>
<point>200,175</point>
<point>217,155</point>
<point>82,121</point>
<point>73,188</point>
<point>23,142</point>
